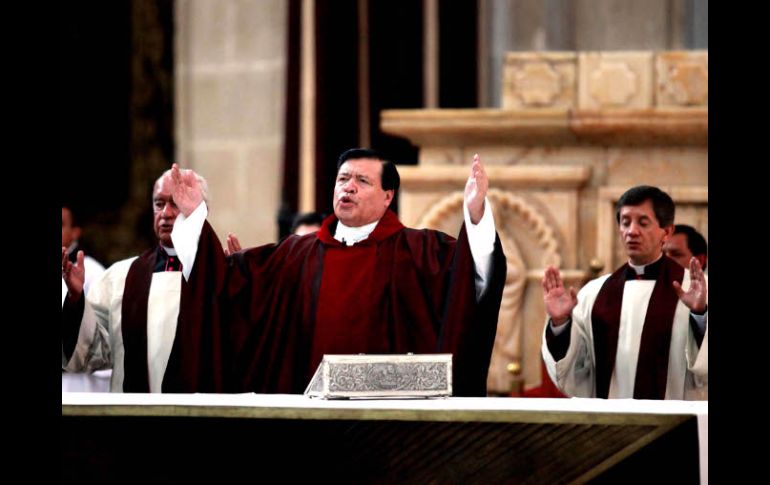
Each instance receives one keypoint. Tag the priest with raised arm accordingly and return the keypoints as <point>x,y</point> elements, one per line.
<point>640,332</point>
<point>150,318</point>
<point>364,283</point>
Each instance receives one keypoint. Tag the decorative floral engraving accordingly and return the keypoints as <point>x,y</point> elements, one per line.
<point>613,84</point>
<point>387,376</point>
<point>537,84</point>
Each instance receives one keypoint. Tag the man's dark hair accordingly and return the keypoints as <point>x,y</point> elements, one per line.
<point>390,177</point>
<point>696,243</point>
<point>662,204</point>
<point>308,218</point>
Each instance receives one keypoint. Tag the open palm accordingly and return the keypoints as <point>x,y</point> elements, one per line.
<point>697,294</point>
<point>558,302</point>
<point>476,190</point>
<point>74,275</point>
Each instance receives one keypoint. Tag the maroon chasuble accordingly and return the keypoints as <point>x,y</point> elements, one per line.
<point>652,365</point>
<point>400,290</point>
<point>198,358</point>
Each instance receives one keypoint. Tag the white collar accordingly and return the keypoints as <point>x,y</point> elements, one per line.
<point>640,269</point>
<point>169,251</point>
<point>351,235</point>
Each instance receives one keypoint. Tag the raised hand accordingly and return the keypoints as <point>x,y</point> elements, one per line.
<point>695,296</point>
<point>74,275</point>
<point>187,190</point>
<point>233,245</point>
<point>476,190</point>
<point>559,302</point>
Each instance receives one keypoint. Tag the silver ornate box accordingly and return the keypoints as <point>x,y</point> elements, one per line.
<point>367,376</point>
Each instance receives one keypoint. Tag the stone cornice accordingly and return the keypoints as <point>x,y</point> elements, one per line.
<point>451,127</point>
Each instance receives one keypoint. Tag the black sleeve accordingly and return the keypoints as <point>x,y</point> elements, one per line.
<point>71,315</point>
<point>558,344</point>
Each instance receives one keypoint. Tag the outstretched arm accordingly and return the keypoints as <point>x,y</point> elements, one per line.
<point>188,197</point>
<point>476,190</point>
<point>187,190</point>
<point>479,224</point>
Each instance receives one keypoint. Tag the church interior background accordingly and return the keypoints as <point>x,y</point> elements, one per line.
<point>568,103</point>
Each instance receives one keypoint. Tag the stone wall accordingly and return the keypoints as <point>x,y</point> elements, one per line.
<point>230,91</point>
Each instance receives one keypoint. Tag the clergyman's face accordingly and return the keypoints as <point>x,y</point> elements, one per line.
<point>676,248</point>
<point>641,234</point>
<point>164,210</point>
<point>359,198</point>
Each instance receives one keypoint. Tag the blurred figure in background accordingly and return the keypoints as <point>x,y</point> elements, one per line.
<point>686,243</point>
<point>71,232</point>
<point>306,222</point>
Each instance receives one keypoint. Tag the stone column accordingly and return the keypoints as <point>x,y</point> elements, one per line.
<point>230,60</point>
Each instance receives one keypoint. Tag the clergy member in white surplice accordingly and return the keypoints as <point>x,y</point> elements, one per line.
<point>640,332</point>
<point>149,317</point>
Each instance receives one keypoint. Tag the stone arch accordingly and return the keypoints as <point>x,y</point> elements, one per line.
<point>534,220</point>
<point>509,337</point>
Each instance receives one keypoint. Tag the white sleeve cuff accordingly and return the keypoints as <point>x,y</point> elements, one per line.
<point>481,239</point>
<point>185,236</point>
<point>700,320</point>
<point>557,330</point>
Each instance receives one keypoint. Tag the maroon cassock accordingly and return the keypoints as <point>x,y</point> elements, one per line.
<point>400,290</point>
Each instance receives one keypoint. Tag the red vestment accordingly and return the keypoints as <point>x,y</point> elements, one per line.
<point>400,290</point>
